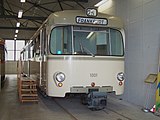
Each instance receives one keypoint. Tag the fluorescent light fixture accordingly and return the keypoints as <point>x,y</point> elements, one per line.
<point>20,13</point>
<point>16,31</point>
<point>89,35</point>
<point>18,24</point>
<point>105,8</point>
<point>100,3</point>
<point>15,35</point>
<point>22,1</point>
<point>56,15</point>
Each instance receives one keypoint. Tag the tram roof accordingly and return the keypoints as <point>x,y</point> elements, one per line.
<point>68,17</point>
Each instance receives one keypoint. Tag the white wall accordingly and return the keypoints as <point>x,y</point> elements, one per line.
<point>142,26</point>
<point>11,67</point>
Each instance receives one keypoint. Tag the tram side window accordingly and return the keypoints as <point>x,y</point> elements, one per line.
<point>43,44</point>
<point>25,54</point>
<point>60,42</point>
<point>31,47</point>
<point>37,47</point>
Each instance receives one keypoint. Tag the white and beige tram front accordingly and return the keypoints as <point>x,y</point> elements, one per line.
<point>85,58</point>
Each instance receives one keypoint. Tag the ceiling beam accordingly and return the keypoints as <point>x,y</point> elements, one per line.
<point>24,17</point>
<point>20,28</point>
<point>67,4</point>
<point>79,4</point>
<point>9,38</point>
<point>60,5</point>
<point>48,3</point>
<point>84,1</point>
<point>37,5</point>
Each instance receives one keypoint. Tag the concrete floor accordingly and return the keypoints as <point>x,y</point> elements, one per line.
<point>48,109</point>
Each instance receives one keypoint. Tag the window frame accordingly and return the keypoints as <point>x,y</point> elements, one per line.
<point>14,51</point>
<point>63,40</point>
<point>73,48</point>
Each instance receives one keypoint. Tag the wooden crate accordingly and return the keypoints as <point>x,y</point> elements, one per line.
<point>27,89</point>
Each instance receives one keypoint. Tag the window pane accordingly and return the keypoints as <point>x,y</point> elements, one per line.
<point>9,44</point>
<point>91,40</point>
<point>20,44</point>
<point>61,40</point>
<point>98,42</point>
<point>116,42</point>
<point>84,44</point>
<point>10,55</point>
<point>17,55</point>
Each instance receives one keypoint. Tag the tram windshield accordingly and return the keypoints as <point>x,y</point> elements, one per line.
<point>86,41</point>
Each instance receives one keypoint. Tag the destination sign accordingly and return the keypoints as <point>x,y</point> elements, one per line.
<point>95,21</point>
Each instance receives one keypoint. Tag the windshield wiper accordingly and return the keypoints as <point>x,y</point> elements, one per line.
<point>84,50</point>
<point>93,55</point>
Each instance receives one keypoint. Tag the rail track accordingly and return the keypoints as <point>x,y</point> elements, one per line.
<point>117,114</point>
<point>65,110</point>
<point>108,112</point>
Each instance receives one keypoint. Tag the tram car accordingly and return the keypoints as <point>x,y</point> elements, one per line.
<point>77,51</point>
<point>2,60</point>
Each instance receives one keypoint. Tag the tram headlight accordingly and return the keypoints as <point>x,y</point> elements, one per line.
<point>120,76</point>
<point>59,76</point>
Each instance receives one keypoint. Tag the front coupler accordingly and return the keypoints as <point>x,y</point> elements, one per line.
<point>97,100</point>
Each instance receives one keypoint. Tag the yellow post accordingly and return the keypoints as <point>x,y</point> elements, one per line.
<point>158,92</point>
